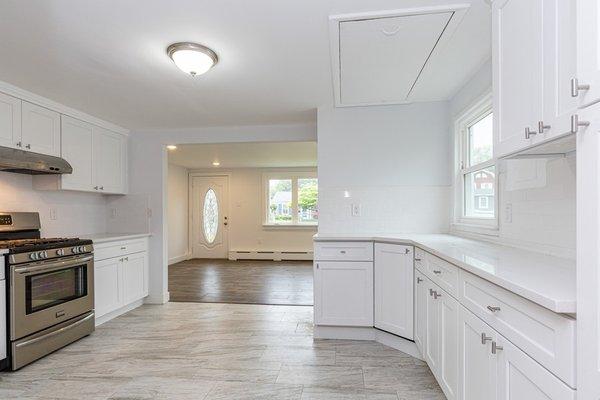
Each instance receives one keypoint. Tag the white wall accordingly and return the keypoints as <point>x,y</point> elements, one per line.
<point>392,161</point>
<point>246,230</point>
<point>178,213</point>
<point>148,177</point>
<point>540,192</point>
<point>76,213</point>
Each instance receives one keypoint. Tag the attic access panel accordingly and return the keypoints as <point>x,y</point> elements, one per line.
<point>377,58</point>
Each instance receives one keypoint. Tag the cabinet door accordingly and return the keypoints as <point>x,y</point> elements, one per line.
<point>432,342</point>
<point>108,291</point>
<point>343,293</point>
<point>108,161</point>
<point>560,66</point>
<point>10,121</point>
<point>76,144</point>
<point>518,57</point>
<point>394,289</point>
<point>477,373</point>
<point>134,277</point>
<point>40,130</point>
<point>420,310</point>
<point>520,377</point>
<point>448,362</point>
<point>588,50</point>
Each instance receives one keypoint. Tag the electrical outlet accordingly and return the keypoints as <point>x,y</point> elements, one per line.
<point>53,215</point>
<point>508,213</point>
<point>356,210</point>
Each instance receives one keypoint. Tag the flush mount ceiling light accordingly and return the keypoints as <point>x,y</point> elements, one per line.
<point>216,163</point>
<point>192,58</point>
<point>171,147</point>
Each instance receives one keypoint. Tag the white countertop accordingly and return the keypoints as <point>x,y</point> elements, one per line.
<point>113,237</point>
<point>546,280</point>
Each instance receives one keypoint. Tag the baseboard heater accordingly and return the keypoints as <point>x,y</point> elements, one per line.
<point>270,255</point>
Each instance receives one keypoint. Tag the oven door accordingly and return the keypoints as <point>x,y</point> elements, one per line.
<point>43,294</point>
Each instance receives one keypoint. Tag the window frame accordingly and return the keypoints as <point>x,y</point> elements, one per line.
<point>294,176</point>
<point>473,114</point>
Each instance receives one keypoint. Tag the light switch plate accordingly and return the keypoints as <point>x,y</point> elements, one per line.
<point>356,210</point>
<point>508,213</point>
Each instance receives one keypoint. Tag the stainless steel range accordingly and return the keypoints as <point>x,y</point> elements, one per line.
<point>51,290</point>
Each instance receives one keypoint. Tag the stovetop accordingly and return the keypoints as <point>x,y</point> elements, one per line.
<point>26,245</point>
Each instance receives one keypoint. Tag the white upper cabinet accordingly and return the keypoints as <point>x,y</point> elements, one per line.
<point>40,129</point>
<point>518,56</point>
<point>534,60</point>
<point>10,121</point>
<point>394,289</point>
<point>109,161</point>
<point>588,51</point>
<point>77,150</point>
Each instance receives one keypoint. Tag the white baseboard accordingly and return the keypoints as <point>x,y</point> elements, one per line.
<point>160,299</point>
<point>120,311</point>
<point>180,258</point>
<point>275,255</point>
<point>359,333</point>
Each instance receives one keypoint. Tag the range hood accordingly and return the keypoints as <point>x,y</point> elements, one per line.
<point>26,162</point>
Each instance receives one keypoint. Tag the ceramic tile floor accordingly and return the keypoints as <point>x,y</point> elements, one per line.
<point>205,351</point>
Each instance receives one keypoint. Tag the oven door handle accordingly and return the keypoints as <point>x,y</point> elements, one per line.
<point>57,332</point>
<point>53,266</point>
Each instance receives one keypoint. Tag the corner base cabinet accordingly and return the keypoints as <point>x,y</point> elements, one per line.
<point>120,275</point>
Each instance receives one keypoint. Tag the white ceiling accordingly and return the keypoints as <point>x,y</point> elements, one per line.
<point>107,58</point>
<point>245,155</point>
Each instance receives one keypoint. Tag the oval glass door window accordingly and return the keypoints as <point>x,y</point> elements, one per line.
<point>211,216</point>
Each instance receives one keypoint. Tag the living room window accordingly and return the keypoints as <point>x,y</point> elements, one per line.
<point>291,199</point>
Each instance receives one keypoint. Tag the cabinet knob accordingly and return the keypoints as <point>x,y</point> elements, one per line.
<point>529,133</point>
<point>28,146</point>
<point>19,144</point>
<point>493,309</point>
<point>576,87</point>
<point>576,123</point>
<point>343,251</point>
<point>101,187</point>
<point>95,187</point>
<point>542,127</point>
<point>485,338</point>
<point>495,347</point>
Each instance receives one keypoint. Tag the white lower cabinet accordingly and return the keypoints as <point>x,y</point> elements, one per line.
<point>420,311</point>
<point>394,289</point>
<point>120,277</point>
<point>343,293</point>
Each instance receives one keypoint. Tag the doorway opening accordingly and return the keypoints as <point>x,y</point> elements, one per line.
<point>241,218</point>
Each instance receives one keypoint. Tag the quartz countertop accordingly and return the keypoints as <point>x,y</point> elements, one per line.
<point>546,280</point>
<point>113,237</point>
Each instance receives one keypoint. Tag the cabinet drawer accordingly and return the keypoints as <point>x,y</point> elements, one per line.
<point>421,259</point>
<point>444,274</point>
<point>344,251</point>
<point>117,249</point>
<point>547,337</point>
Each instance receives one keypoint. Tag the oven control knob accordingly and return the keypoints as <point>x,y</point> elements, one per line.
<point>60,252</point>
<point>81,249</point>
<point>42,254</point>
<point>33,256</point>
<point>74,250</point>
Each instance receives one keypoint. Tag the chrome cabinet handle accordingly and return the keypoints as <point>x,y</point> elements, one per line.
<point>418,259</point>
<point>95,187</point>
<point>317,265</point>
<point>126,258</point>
<point>343,251</point>
<point>27,146</point>
<point>485,338</point>
<point>436,295</point>
<point>576,123</point>
<point>542,127</point>
<point>529,133</point>
<point>495,347</point>
<point>101,187</point>
<point>121,259</point>
<point>19,144</point>
<point>493,309</point>
<point>419,280</point>
<point>437,271</point>
<point>431,292</point>
<point>576,87</point>
<point>406,251</point>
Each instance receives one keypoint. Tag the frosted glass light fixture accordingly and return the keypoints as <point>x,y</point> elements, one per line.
<point>192,58</point>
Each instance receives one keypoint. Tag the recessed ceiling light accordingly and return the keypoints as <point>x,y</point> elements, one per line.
<point>216,163</point>
<point>171,147</point>
<point>192,58</point>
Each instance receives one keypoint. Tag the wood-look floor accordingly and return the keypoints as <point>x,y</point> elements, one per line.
<point>194,351</point>
<point>247,282</point>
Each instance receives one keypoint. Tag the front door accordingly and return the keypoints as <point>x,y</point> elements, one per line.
<point>209,217</point>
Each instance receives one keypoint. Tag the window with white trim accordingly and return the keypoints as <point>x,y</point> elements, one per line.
<point>476,179</point>
<point>291,199</point>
